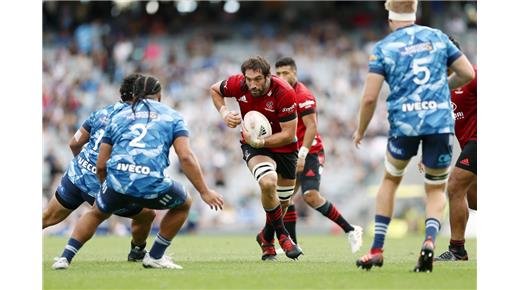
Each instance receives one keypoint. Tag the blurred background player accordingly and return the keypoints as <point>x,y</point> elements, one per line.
<point>413,60</point>
<point>462,184</point>
<point>311,158</point>
<point>80,183</point>
<point>271,160</point>
<point>132,157</point>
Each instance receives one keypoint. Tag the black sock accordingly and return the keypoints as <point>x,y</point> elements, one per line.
<point>330,211</point>
<point>140,247</point>
<point>289,221</point>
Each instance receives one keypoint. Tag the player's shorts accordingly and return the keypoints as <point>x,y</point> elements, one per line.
<point>71,197</point>
<point>310,177</point>
<point>468,157</point>
<point>285,162</point>
<point>436,149</point>
<point>109,200</point>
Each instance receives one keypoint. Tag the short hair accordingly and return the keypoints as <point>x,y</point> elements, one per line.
<point>455,42</point>
<point>256,63</point>
<point>285,61</point>
<point>401,6</point>
<point>127,87</point>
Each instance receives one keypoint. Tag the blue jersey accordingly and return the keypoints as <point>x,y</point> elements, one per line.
<point>141,144</point>
<point>414,61</point>
<point>82,169</point>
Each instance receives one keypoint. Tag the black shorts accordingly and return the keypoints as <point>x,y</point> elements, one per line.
<point>310,177</point>
<point>285,162</point>
<point>468,157</point>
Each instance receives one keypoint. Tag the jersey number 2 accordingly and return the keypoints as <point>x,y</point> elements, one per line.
<point>418,68</point>
<point>141,130</point>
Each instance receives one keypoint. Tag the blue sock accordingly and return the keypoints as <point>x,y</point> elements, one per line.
<point>159,247</point>
<point>71,249</point>
<point>381,225</point>
<point>432,228</point>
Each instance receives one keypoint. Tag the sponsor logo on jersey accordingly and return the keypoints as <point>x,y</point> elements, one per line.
<point>305,104</point>
<point>458,116</point>
<point>394,149</point>
<point>243,99</point>
<point>419,106</point>
<point>289,109</point>
<point>132,168</point>
<point>87,165</point>
<point>458,92</point>
<point>416,48</point>
<point>454,106</point>
<point>372,57</point>
<point>142,115</point>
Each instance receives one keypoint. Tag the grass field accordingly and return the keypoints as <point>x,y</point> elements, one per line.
<point>233,262</point>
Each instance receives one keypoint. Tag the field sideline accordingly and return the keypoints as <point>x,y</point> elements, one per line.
<point>233,262</point>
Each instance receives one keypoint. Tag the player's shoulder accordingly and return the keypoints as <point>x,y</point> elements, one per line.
<point>302,90</point>
<point>280,85</point>
<point>237,81</point>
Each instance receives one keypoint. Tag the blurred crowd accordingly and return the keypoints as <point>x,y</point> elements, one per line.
<point>85,59</point>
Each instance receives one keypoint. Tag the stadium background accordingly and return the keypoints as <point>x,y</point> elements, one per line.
<point>88,47</point>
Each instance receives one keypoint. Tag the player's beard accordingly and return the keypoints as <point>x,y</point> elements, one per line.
<point>260,92</point>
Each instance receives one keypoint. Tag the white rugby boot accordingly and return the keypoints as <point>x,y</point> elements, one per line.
<point>356,238</point>
<point>60,263</point>
<point>165,262</point>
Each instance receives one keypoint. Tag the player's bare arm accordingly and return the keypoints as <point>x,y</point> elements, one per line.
<point>101,164</point>
<point>231,118</point>
<point>78,140</point>
<point>463,73</point>
<point>311,128</point>
<point>284,137</point>
<point>191,168</point>
<point>373,86</point>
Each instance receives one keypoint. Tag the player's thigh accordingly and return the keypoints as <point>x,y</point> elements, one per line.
<point>399,151</point>
<point>55,212</point>
<point>460,180</point>
<point>69,195</point>
<point>310,177</point>
<point>260,163</point>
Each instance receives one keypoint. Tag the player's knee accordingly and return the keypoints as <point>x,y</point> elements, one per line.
<point>312,198</point>
<point>268,183</point>
<point>187,203</point>
<point>436,178</point>
<point>392,170</point>
<point>148,215</point>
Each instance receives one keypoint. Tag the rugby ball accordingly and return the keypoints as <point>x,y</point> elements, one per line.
<point>257,125</point>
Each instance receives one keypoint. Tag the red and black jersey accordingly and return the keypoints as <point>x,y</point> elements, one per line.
<point>278,104</point>
<point>306,103</point>
<point>464,101</point>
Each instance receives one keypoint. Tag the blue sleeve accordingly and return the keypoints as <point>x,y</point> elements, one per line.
<point>87,125</point>
<point>453,52</point>
<point>180,129</point>
<point>376,61</point>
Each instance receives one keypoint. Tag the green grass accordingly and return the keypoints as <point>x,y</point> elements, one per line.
<point>233,262</point>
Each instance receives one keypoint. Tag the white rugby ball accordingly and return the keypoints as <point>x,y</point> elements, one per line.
<point>257,124</point>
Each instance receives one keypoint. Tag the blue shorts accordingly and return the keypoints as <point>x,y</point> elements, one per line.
<point>109,200</point>
<point>436,149</point>
<point>71,197</point>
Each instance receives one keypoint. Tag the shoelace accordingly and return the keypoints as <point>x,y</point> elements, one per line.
<point>447,255</point>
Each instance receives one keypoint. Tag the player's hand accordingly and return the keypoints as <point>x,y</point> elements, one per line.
<point>420,165</point>
<point>357,138</point>
<point>254,142</point>
<point>300,164</point>
<point>213,199</point>
<point>232,119</point>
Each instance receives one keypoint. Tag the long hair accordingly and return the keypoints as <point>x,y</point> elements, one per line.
<point>145,86</point>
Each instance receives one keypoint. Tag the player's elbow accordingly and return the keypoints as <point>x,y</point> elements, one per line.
<point>369,100</point>
<point>74,146</point>
<point>186,158</point>
<point>468,75</point>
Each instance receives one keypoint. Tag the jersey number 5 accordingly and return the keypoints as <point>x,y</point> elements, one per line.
<point>418,68</point>
<point>141,130</point>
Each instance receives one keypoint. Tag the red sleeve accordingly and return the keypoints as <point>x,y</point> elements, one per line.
<point>232,87</point>
<point>286,106</point>
<point>306,104</point>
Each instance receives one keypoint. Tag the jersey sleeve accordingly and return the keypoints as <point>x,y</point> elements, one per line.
<point>231,87</point>
<point>473,84</point>
<point>376,61</point>
<point>306,104</point>
<point>453,52</point>
<point>180,129</point>
<point>88,123</point>
<point>286,106</point>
